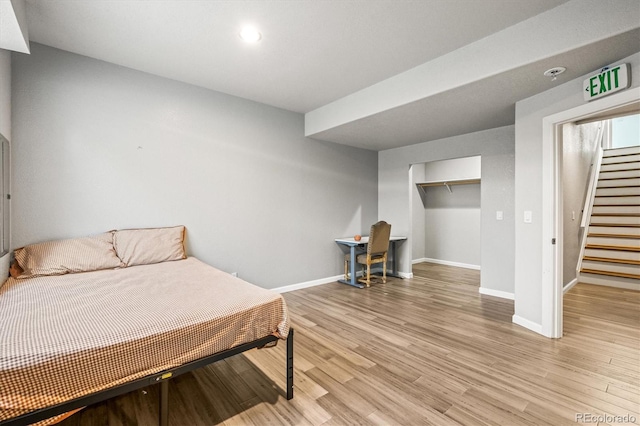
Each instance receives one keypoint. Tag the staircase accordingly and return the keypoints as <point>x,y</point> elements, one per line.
<point>612,250</point>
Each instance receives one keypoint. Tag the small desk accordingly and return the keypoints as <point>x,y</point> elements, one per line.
<point>352,244</point>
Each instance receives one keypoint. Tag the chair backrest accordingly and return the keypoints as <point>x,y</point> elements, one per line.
<point>379,238</point>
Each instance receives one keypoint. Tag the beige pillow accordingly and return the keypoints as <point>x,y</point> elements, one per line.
<point>152,245</point>
<point>68,256</point>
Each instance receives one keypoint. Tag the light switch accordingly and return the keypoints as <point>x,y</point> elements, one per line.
<point>528,216</point>
<point>499,215</point>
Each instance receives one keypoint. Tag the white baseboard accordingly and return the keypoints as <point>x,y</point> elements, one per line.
<point>308,284</point>
<point>447,262</point>
<point>527,324</point>
<point>571,283</point>
<point>496,293</point>
<point>327,280</point>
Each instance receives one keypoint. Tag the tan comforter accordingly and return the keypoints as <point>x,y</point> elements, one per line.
<point>66,336</point>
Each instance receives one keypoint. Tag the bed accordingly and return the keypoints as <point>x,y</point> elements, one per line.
<point>74,339</point>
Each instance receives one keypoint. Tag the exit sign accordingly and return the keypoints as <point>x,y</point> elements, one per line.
<point>609,80</point>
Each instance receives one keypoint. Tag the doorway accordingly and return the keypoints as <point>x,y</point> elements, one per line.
<point>552,197</point>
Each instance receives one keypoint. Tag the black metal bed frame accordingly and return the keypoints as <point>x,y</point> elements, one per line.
<point>161,378</point>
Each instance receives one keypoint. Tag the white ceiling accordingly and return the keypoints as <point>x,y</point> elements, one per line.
<point>313,52</point>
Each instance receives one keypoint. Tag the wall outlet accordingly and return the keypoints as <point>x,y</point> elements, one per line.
<point>499,215</point>
<point>528,216</point>
<point>234,274</point>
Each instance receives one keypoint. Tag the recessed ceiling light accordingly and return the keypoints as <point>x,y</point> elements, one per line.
<point>554,72</point>
<point>250,34</point>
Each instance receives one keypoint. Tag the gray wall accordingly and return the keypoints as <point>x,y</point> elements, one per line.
<point>496,146</point>
<point>528,130</point>
<point>418,214</point>
<point>99,146</point>
<point>579,145</point>
<point>5,128</point>
<point>452,224</point>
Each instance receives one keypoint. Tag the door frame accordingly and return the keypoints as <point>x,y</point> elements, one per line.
<point>552,201</point>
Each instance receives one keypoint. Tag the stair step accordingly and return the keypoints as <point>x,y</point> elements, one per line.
<point>612,254</point>
<point>619,269</point>
<point>614,247</point>
<point>615,210</point>
<point>629,158</point>
<point>620,215</point>
<point>618,167</point>
<point>609,235</point>
<point>614,225</point>
<point>609,230</point>
<point>612,267</point>
<point>618,200</point>
<point>610,273</point>
<point>612,260</point>
<point>599,220</point>
<point>616,152</point>
<point>609,240</point>
<point>628,174</point>
<point>617,192</point>
<point>620,282</point>
<point>618,183</point>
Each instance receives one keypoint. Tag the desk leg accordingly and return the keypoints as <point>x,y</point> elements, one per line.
<point>393,258</point>
<point>352,266</point>
<point>394,261</point>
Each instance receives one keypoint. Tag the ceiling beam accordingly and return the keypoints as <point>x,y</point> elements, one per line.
<point>13,26</point>
<point>552,33</point>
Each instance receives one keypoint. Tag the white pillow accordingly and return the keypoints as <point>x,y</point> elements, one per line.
<point>152,245</point>
<point>68,256</point>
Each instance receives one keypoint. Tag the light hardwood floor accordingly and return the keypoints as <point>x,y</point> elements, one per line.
<point>427,350</point>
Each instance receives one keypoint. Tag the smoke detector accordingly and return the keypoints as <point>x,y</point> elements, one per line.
<point>554,72</point>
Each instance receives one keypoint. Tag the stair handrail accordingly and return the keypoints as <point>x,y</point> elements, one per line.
<point>591,194</point>
<point>591,190</point>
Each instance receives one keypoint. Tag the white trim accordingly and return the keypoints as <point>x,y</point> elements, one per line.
<point>571,283</point>
<point>552,207</point>
<point>527,324</point>
<point>496,293</point>
<point>328,280</point>
<point>448,262</point>
<point>307,284</point>
<point>422,259</point>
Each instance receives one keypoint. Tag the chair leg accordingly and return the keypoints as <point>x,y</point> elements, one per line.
<point>346,270</point>
<point>384,270</point>
<point>368,274</point>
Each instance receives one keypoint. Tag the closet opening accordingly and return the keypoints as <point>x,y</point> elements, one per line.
<point>446,212</point>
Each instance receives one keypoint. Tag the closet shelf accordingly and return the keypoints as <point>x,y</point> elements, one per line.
<point>449,182</point>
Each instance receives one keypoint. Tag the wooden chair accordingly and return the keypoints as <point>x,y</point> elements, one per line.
<point>376,252</point>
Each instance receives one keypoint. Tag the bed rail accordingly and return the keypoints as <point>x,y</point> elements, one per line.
<point>161,378</point>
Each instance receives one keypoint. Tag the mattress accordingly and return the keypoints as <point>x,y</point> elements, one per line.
<point>62,337</point>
